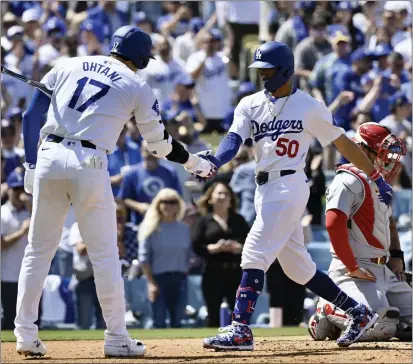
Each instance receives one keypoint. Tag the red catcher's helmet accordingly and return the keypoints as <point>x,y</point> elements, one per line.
<point>388,148</point>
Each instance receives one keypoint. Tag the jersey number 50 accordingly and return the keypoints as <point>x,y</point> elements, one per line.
<point>287,146</point>
<point>80,86</point>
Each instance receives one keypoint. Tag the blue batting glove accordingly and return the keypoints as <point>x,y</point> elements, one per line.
<point>385,190</point>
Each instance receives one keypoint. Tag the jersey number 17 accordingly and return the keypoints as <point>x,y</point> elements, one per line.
<point>80,86</point>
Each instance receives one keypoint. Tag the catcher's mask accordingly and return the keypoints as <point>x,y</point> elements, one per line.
<point>387,148</point>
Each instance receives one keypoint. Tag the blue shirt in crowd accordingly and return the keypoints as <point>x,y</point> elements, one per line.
<point>325,71</point>
<point>168,249</point>
<point>347,81</point>
<point>140,184</point>
<point>123,158</point>
<point>110,22</point>
<point>180,28</point>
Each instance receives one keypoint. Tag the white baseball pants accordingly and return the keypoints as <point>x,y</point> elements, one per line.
<point>277,232</point>
<point>69,173</point>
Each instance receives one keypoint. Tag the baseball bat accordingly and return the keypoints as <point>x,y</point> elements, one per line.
<point>40,86</point>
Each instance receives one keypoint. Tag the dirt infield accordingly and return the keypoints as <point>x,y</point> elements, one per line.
<point>268,350</point>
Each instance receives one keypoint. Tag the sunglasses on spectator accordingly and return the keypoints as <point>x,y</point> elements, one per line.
<point>170,202</point>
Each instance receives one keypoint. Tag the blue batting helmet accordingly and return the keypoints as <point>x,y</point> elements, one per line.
<point>275,55</point>
<point>133,44</point>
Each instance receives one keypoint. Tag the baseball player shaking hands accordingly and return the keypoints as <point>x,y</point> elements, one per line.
<point>282,121</point>
<point>93,98</point>
<point>364,238</point>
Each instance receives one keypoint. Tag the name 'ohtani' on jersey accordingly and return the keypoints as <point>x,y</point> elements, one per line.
<point>102,70</point>
<point>274,128</point>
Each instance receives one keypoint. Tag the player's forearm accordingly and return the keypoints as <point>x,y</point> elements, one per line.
<point>32,122</point>
<point>228,148</point>
<point>354,154</point>
<point>336,225</point>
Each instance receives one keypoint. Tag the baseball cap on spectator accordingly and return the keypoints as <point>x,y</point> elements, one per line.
<point>55,26</point>
<point>15,30</point>
<point>338,34</point>
<point>95,27</point>
<point>185,80</point>
<point>195,25</point>
<point>140,17</point>
<point>344,5</point>
<point>33,14</point>
<point>360,54</point>
<point>397,6</point>
<point>15,179</point>
<point>398,99</point>
<point>246,88</point>
<point>382,50</point>
<point>7,128</point>
<point>216,34</point>
<point>306,5</point>
<point>9,18</point>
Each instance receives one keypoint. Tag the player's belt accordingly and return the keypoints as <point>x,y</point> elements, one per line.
<point>381,260</point>
<point>262,177</point>
<point>57,139</point>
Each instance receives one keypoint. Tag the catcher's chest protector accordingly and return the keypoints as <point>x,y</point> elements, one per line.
<point>369,224</point>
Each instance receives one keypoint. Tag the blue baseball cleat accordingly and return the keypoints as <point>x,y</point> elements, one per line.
<point>237,337</point>
<point>361,319</point>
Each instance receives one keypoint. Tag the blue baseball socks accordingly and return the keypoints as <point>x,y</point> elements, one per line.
<point>252,283</point>
<point>322,285</point>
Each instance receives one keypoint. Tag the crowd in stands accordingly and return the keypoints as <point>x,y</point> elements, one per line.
<point>353,55</point>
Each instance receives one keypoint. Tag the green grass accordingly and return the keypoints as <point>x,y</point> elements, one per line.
<point>60,335</point>
<point>213,139</point>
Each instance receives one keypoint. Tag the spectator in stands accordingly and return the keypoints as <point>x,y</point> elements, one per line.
<point>165,261</point>
<point>32,31</point>
<point>241,18</point>
<point>243,185</point>
<point>105,13</point>
<point>55,30</point>
<point>343,17</point>
<point>186,44</point>
<point>367,20</point>
<point>127,241</point>
<point>209,70</point>
<point>62,263</point>
<point>126,154</point>
<point>401,109</point>
<point>162,72</point>
<point>9,20</point>
<point>15,116</point>
<point>143,182</point>
<point>176,21</point>
<point>189,137</point>
<point>87,306</point>
<point>218,237</point>
<point>310,50</point>
<point>4,186</point>
<point>244,89</point>
<point>295,29</point>
<point>327,68</point>
<point>92,39</point>
<point>350,80</point>
<point>15,222</point>
<point>396,71</point>
<point>12,154</point>
<point>185,99</point>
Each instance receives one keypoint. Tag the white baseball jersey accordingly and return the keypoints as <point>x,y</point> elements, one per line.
<point>94,98</point>
<point>283,142</point>
<point>160,76</point>
<point>356,195</point>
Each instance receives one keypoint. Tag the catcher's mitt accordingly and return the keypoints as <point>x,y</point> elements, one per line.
<point>408,278</point>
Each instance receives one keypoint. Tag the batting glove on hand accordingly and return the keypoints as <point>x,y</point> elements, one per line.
<point>29,177</point>
<point>201,165</point>
<point>385,190</point>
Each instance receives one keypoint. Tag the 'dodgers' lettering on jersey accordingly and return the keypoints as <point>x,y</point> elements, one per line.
<point>274,128</point>
<point>101,69</point>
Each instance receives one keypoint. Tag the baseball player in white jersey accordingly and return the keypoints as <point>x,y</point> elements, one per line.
<point>93,98</point>
<point>363,236</point>
<point>282,121</point>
